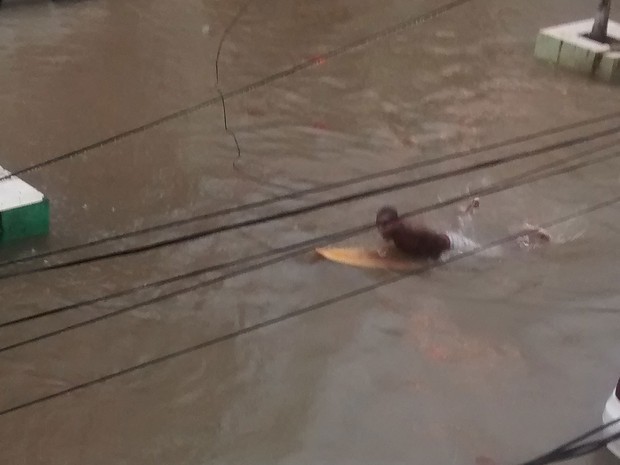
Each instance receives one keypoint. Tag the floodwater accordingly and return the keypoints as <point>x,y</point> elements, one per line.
<point>301,361</point>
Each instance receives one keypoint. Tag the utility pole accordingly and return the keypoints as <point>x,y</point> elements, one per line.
<point>599,30</point>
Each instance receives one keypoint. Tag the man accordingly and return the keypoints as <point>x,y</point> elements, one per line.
<point>420,242</point>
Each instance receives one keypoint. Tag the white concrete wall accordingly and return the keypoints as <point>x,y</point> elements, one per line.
<point>16,193</point>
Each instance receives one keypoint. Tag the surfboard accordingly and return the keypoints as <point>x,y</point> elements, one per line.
<point>368,258</point>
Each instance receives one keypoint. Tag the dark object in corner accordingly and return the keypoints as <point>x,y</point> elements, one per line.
<point>599,29</point>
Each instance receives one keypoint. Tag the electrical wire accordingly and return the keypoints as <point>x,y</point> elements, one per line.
<point>313,207</point>
<point>262,255</point>
<point>318,189</point>
<point>576,447</point>
<point>565,452</point>
<point>516,181</point>
<point>410,22</point>
<point>296,313</point>
<point>227,128</point>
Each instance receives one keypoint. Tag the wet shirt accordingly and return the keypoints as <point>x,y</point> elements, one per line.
<point>419,242</point>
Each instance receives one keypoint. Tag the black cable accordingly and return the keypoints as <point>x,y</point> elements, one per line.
<point>227,30</point>
<point>564,454</point>
<point>296,313</point>
<point>587,448</point>
<point>132,290</point>
<point>412,21</point>
<point>262,255</point>
<point>517,181</point>
<point>318,189</point>
<point>584,436</point>
<point>227,128</point>
<point>313,207</point>
<point>573,449</point>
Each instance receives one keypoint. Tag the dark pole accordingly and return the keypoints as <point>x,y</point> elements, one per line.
<point>599,30</point>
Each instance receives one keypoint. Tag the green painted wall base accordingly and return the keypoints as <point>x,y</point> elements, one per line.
<point>24,211</point>
<point>566,46</point>
<point>30,220</point>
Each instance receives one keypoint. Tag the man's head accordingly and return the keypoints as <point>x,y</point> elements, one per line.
<point>387,218</point>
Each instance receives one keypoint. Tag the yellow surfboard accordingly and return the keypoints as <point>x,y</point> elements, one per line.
<point>368,258</point>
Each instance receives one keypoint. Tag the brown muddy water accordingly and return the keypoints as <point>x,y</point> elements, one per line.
<point>499,357</point>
